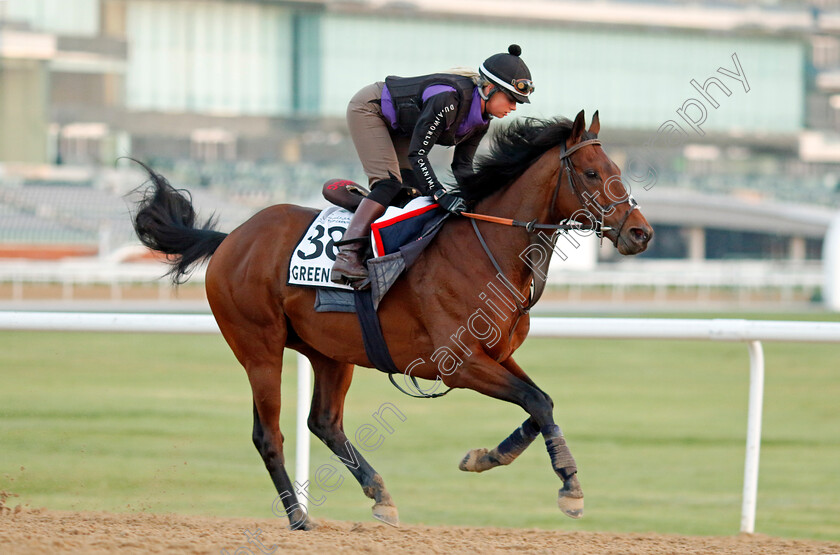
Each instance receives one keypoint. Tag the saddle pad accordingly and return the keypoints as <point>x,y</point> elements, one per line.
<point>315,254</point>
<point>333,300</point>
<point>399,226</point>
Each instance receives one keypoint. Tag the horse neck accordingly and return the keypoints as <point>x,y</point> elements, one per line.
<point>528,198</point>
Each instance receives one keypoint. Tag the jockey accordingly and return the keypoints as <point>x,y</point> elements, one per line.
<point>395,123</point>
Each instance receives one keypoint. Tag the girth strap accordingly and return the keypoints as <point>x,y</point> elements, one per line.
<point>375,346</point>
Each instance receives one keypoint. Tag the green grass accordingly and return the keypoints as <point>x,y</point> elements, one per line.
<point>163,423</point>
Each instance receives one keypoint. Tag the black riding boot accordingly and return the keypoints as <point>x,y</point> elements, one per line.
<point>349,267</point>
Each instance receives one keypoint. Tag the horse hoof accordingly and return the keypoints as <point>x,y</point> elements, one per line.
<point>570,498</point>
<point>479,460</point>
<point>309,525</point>
<point>571,506</point>
<point>470,462</point>
<point>304,524</point>
<point>387,514</point>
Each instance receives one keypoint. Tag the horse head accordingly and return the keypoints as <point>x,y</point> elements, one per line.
<point>590,188</point>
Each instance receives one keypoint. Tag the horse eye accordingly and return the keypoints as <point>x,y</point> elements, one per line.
<point>591,174</point>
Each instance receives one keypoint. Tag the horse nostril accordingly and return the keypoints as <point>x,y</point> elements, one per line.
<point>640,235</point>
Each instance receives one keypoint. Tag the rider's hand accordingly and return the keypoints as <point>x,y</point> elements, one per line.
<point>451,202</point>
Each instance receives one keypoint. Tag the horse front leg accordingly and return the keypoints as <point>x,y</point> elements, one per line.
<point>570,496</point>
<point>479,460</point>
<point>507,381</point>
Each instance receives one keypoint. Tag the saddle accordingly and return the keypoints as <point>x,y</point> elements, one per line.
<point>398,238</point>
<point>344,193</point>
<point>404,221</point>
<point>348,194</point>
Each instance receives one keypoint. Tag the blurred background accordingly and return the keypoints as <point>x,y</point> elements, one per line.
<point>724,115</point>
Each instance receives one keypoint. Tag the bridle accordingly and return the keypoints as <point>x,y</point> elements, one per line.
<point>565,225</point>
<point>569,168</point>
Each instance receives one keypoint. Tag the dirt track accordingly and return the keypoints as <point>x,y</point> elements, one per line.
<point>41,531</point>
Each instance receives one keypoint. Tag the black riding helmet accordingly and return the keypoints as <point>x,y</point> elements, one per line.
<point>509,74</point>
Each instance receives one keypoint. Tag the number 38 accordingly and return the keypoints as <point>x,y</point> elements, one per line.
<point>333,234</point>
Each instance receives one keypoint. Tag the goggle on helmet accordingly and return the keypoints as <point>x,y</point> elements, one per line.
<point>510,73</point>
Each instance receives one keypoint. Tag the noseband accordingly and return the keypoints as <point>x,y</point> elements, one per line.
<point>569,168</point>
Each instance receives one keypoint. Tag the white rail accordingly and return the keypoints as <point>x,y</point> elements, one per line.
<point>106,321</point>
<point>686,329</point>
<point>751,332</point>
<point>662,278</point>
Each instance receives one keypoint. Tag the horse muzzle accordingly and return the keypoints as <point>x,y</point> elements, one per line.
<point>634,239</point>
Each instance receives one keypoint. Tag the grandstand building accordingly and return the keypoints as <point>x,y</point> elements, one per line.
<point>724,116</point>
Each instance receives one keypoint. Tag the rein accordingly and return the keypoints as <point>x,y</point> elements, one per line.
<point>568,168</point>
<point>530,227</point>
<point>538,281</point>
<point>533,226</point>
<point>423,394</point>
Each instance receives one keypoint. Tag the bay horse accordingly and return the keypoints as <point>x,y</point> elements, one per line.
<point>539,172</point>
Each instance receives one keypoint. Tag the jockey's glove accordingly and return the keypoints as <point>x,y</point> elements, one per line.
<point>450,202</point>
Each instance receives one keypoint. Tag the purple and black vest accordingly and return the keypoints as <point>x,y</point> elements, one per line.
<point>407,99</point>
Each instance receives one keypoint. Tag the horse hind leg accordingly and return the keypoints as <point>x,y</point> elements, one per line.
<point>326,421</point>
<point>268,439</point>
<point>266,443</point>
<point>263,361</point>
<point>479,460</point>
<point>257,333</point>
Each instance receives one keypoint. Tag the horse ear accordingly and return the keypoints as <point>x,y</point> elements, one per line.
<point>596,124</point>
<point>577,129</point>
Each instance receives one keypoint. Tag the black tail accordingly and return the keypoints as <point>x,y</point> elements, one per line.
<point>165,222</point>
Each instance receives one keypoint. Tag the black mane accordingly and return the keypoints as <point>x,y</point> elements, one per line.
<point>515,147</point>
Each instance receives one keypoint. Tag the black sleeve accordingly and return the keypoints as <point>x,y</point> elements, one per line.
<point>462,160</point>
<point>438,113</point>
